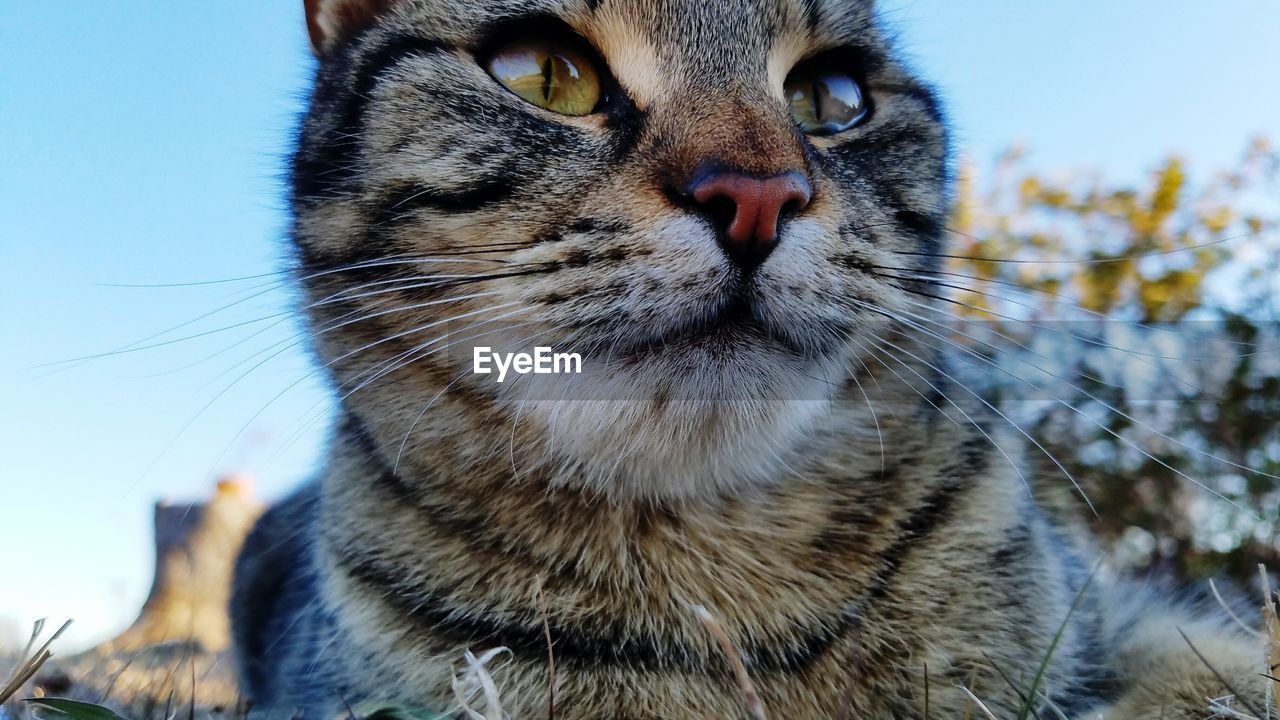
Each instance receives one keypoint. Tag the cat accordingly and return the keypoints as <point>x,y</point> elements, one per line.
<point>721,206</point>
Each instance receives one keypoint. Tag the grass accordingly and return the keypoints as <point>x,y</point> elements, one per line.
<point>165,681</point>
<point>177,682</point>
<point>29,663</point>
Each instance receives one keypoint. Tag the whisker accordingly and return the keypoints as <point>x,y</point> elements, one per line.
<point>871,407</point>
<point>869,352</point>
<point>991,406</point>
<point>291,342</point>
<point>1106,405</point>
<point>224,350</point>
<point>195,283</point>
<point>325,366</point>
<point>1145,358</point>
<point>204,408</point>
<point>125,348</point>
<point>409,433</point>
<point>394,364</point>
<point>978,426</point>
<point>1089,261</point>
<point>399,361</point>
<point>266,288</point>
<point>392,261</point>
<point>386,291</point>
<point>313,414</point>
<point>1066,300</point>
<point>1081,338</point>
<point>281,315</point>
<point>1103,427</point>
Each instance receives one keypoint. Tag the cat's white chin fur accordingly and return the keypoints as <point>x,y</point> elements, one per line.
<point>655,431</point>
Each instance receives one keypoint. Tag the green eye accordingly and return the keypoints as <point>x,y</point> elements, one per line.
<point>825,102</point>
<point>552,75</point>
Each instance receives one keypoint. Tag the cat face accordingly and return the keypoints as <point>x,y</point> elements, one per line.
<point>694,196</point>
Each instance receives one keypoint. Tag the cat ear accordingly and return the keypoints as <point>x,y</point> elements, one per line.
<point>328,21</point>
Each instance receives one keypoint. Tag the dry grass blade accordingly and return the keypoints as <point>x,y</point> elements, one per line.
<point>755,706</point>
<point>1220,708</point>
<point>1226,607</point>
<point>551,657</point>
<point>1272,625</point>
<point>29,664</point>
<point>1241,698</point>
<point>478,677</point>
<point>981,706</point>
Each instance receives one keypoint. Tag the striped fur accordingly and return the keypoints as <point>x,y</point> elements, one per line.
<point>767,446</point>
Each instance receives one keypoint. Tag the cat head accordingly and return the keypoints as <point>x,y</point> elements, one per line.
<point>706,201</point>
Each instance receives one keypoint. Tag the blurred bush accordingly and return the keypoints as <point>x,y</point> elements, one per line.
<point>1138,336</point>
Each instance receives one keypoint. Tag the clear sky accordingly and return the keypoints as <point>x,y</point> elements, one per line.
<point>143,143</point>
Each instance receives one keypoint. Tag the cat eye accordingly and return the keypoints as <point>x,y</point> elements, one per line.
<point>553,75</point>
<point>825,101</point>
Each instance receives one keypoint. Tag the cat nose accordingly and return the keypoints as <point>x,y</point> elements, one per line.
<point>747,208</point>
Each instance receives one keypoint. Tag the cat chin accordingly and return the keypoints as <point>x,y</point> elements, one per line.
<point>670,430</point>
<point>631,450</point>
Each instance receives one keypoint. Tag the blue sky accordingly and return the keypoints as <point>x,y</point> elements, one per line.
<point>143,143</point>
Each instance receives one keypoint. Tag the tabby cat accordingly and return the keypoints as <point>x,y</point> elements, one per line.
<point>721,206</point>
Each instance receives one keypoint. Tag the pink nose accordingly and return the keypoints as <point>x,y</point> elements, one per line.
<point>747,208</point>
